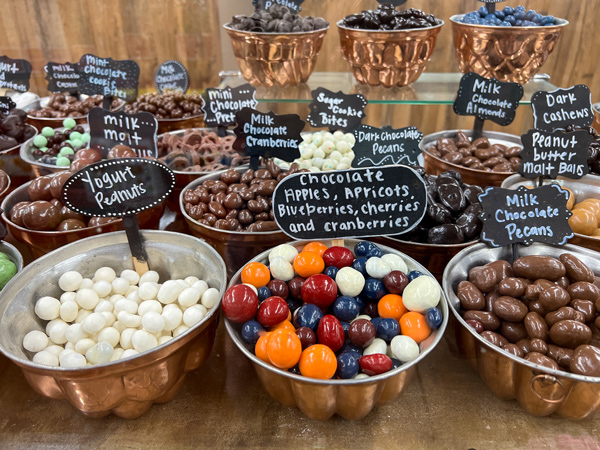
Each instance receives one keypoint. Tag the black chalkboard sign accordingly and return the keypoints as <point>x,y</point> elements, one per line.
<point>172,76</point>
<point>268,135</point>
<point>62,77</point>
<point>386,146</point>
<point>562,107</point>
<point>15,74</point>
<point>525,215</point>
<point>488,99</point>
<point>555,154</point>
<point>118,187</point>
<point>292,5</point>
<point>137,131</point>
<point>108,77</point>
<point>350,203</point>
<point>221,105</point>
<point>6,104</point>
<point>395,3</point>
<point>336,111</point>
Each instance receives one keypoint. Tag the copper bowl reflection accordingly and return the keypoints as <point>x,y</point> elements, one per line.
<point>507,53</point>
<point>276,59</point>
<point>129,387</point>
<point>539,390</point>
<point>388,58</point>
<point>321,399</point>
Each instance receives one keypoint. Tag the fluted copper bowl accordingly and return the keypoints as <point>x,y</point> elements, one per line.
<point>276,59</point>
<point>352,399</point>
<point>387,58</point>
<point>541,391</point>
<point>507,53</point>
<point>129,387</point>
<point>13,255</point>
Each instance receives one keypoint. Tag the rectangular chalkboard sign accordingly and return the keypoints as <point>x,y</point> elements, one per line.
<point>488,99</point>
<point>562,107</point>
<point>292,5</point>
<point>221,105</point>
<point>386,146</point>
<point>15,74</point>
<point>350,203</point>
<point>62,77</point>
<point>105,76</point>
<point>555,154</point>
<point>137,131</point>
<point>336,110</point>
<point>524,216</point>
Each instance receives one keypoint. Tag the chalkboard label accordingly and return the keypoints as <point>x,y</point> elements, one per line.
<point>350,203</point>
<point>562,107</point>
<point>386,146</point>
<point>221,105</point>
<point>336,111</point>
<point>172,76</point>
<point>555,154</point>
<point>62,77</point>
<point>118,187</point>
<point>15,74</point>
<point>525,215</point>
<point>268,135</point>
<point>105,76</point>
<point>488,99</point>
<point>6,104</point>
<point>292,5</point>
<point>394,3</point>
<point>137,131</point>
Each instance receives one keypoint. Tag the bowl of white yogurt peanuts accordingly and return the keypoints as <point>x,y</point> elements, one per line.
<point>82,325</point>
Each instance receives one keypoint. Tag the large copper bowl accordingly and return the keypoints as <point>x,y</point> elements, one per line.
<point>11,162</point>
<point>435,165</point>
<point>276,59</point>
<point>506,53</point>
<point>129,387</point>
<point>13,255</point>
<point>42,242</point>
<point>540,391</point>
<point>320,399</point>
<point>387,58</point>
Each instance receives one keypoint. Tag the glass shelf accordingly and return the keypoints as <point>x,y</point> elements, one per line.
<point>429,89</point>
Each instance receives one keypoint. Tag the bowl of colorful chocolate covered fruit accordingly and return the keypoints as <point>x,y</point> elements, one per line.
<point>334,328</point>
<point>530,325</point>
<point>51,111</point>
<point>510,44</point>
<point>35,216</point>
<point>86,328</point>
<point>276,47</point>
<point>388,47</point>
<point>484,161</point>
<point>173,110</point>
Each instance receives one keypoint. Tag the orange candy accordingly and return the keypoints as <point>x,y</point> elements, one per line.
<point>390,306</point>
<point>260,348</point>
<point>256,274</point>
<point>318,361</point>
<point>308,263</point>
<point>285,325</point>
<point>583,221</point>
<point>315,247</point>
<point>414,325</point>
<point>284,348</point>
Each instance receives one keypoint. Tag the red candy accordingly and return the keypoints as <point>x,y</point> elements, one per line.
<point>330,332</point>
<point>320,290</point>
<point>475,324</point>
<point>295,287</point>
<point>395,282</point>
<point>375,364</point>
<point>338,257</point>
<point>278,288</point>
<point>240,303</point>
<point>307,337</point>
<point>272,311</point>
<point>361,332</point>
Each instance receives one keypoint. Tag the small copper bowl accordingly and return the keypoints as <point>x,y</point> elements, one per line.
<point>276,59</point>
<point>129,387</point>
<point>507,53</point>
<point>11,162</point>
<point>435,166</point>
<point>14,255</point>
<point>387,58</point>
<point>42,242</point>
<point>321,399</point>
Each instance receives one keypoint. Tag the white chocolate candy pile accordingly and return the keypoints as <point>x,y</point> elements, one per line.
<point>322,151</point>
<point>107,318</point>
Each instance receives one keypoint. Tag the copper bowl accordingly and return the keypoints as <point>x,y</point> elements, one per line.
<point>129,387</point>
<point>435,165</point>
<point>276,59</point>
<point>13,255</point>
<point>11,162</point>
<point>235,247</point>
<point>388,58</point>
<point>320,399</point>
<point>596,124</point>
<point>166,125</point>
<point>42,242</point>
<point>540,391</point>
<point>506,53</point>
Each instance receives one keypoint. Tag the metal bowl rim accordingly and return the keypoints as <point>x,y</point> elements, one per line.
<point>454,19</point>
<point>227,27</point>
<point>340,25</point>
<point>25,157</point>
<point>15,250</point>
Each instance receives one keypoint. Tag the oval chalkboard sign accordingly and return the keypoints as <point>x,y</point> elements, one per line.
<point>118,187</point>
<point>350,203</point>
<point>172,75</point>
<point>108,77</point>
